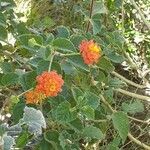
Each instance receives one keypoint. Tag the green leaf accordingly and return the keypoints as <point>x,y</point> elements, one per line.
<point>63,113</point>
<point>42,66</point>
<point>99,8</point>
<point>62,32</point>
<point>28,80</point>
<point>22,139</point>
<point>2,20</point>
<point>17,113</point>
<point>105,64</point>
<point>77,61</point>
<point>96,24</point>
<point>68,68</point>
<point>88,112</point>
<point>53,138</point>
<point>77,39</point>
<point>93,132</point>
<point>10,79</point>
<point>121,124</point>
<point>3,33</point>
<point>8,142</point>
<point>50,38</point>
<point>76,125</point>
<point>77,93</point>
<point>134,107</point>
<point>64,44</point>
<point>79,97</point>
<point>116,58</point>
<point>34,119</point>
<point>92,100</point>
<point>6,67</point>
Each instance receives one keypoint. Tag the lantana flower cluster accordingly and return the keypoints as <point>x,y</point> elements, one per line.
<point>90,52</point>
<point>49,84</point>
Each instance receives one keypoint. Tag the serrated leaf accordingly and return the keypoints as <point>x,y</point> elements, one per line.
<point>116,58</point>
<point>77,61</point>
<point>27,80</point>
<point>42,66</point>
<point>105,64</point>
<point>63,113</point>
<point>96,24</point>
<point>8,142</point>
<point>6,67</point>
<point>92,100</point>
<point>2,20</point>
<point>133,108</point>
<point>64,44</point>
<point>79,97</point>
<point>99,8</point>
<point>3,33</point>
<point>121,124</point>
<point>22,139</point>
<point>63,32</point>
<point>34,119</point>
<point>88,112</point>
<point>10,79</point>
<point>93,132</point>
<point>53,138</point>
<point>77,39</point>
<point>17,113</point>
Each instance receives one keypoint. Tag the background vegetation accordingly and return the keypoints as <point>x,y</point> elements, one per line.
<point>104,106</point>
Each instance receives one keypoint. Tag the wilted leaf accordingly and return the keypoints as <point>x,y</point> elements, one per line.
<point>34,119</point>
<point>8,142</point>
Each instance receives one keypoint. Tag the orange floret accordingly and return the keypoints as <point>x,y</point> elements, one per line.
<point>34,97</point>
<point>49,83</point>
<point>90,52</point>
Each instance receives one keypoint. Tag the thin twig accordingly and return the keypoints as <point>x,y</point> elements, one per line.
<point>138,96</point>
<point>141,14</point>
<point>91,10</point>
<point>133,139</point>
<point>138,142</point>
<point>138,120</point>
<point>51,60</point>
<point>128,81</point>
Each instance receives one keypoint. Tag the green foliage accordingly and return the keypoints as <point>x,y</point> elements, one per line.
<point>133,107</point>
<point>121,124</point>
<point>77,118</point>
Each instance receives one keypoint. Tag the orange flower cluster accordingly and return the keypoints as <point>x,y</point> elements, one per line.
<point>34,96</point>
<point>90,52</point>
<point>48,84</point>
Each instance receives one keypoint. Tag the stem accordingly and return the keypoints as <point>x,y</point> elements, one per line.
<point>133,139</point>
<point>123,16</point>
<point>51,60</point>
<point>24,92</point>
<point>138,142</point>
<point>71,54</point>
<point>138,120</point>
<point>141,97</point>
<point>128,81</point>
<point>91,9</point>
<point>141,14</point>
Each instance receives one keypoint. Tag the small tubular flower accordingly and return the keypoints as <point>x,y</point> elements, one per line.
<point>34,97</point>
<point>90,52</point>
<point>49,83</point>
